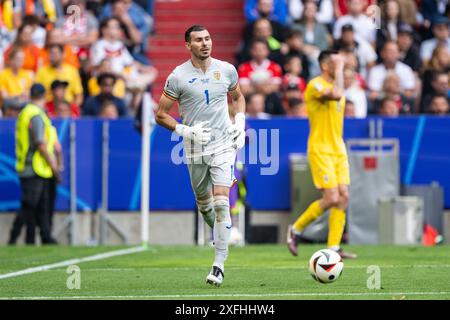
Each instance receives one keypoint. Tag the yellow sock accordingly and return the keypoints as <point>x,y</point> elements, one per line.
<point>336,224</point>
<point>312,213</point>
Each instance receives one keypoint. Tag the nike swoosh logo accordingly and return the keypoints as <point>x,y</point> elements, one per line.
<point>192,80</point>
<point>228,227</point>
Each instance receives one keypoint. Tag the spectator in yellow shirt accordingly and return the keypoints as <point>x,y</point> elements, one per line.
<point>58,70</point>
<point>15,82</point>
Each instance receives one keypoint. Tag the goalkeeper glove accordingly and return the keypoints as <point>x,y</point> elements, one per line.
<point>198,133</point>
<point>237,131</point>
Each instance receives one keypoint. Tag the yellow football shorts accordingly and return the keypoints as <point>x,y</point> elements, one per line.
<point>329,171</point>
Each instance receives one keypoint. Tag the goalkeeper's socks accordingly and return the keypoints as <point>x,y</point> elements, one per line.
<point>222,229</point>
<point>221,236</point>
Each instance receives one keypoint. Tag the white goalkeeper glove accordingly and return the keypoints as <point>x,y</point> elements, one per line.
<point>198,133</point>
<point>237,131</point>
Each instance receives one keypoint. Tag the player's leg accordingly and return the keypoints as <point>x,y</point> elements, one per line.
<point>205,206</point>
<point>222,177</point>
<point>202,187</point>
<point>337,219</point>
<point>324,178</point>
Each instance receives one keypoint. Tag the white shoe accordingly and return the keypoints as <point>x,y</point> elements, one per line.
<point>215,277</point>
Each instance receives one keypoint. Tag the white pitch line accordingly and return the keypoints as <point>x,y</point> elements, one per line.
<point>234,295</point>
<point>261,268</point>
<point>66,263</point>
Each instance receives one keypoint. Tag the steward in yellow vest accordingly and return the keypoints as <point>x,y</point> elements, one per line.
<point>36,165</point>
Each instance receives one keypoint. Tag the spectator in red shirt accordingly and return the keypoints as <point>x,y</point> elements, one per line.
<point>62,109</point>
<point>341,6</point>
<point>58,89</point>
<point>259,74</point>
<point>293,67</point>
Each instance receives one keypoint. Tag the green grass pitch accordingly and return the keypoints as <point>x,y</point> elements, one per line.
<point>252,272</point>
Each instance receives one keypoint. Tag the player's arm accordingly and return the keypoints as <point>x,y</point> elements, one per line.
<point>237,100</point>
<point>238,110</point>
<point>337,91</point>
<point>37,129</point>
<point>162,116</point>
<point>198,133</point>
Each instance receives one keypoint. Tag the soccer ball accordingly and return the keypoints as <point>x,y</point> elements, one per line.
<point>235,237</point>
<point>326,266</point>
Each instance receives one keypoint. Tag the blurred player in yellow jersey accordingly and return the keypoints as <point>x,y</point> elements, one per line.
<point>325,102</point>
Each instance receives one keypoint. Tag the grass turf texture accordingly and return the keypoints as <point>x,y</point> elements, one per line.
<point>252,272</point>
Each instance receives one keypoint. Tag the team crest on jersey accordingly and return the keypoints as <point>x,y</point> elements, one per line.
<point>318,86</point>
<point>216,75</point>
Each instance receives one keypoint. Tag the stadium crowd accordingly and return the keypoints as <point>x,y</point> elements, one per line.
<point>396,54</point>
<point>90,55</point>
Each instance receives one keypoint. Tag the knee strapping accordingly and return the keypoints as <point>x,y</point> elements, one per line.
<point>205,205</point>
<point>222,208</point>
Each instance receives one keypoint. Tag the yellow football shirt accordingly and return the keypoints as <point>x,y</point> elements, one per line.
<point>13,85</point>
<point>326,119</point>
<point>119,89</point>
<point>47,74</point>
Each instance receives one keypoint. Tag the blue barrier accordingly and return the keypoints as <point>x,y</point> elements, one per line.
<point>421,161</point>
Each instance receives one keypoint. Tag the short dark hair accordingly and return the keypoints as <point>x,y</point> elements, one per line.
<point>57,45</point>
<point>104,24</point>
<point>105,75</point>
<point>388,42</point>
<point>259,40</point>
<point>294,33</point>
<point>437,74</point>
<point>291,57</point>
<point>325,54</point>
<point>439,95</point>
<point>294,102</point>
<point>386,100</point>
<point>195,27</point>
<point>30,20</point>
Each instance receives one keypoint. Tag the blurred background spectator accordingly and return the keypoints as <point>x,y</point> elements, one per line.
<point>439,105</point>
<point>255,106</point>
<point>10,108</point>
<point>314,30</point>
<point>441,37</point>
<point>93,105</point>
<point>135,22</point>
<point>108,110</point>
<point>274,10</point>
<point>356,16</point>
<point>355,94</point>
<point>15,82</point>
<point>388,108</point>
<point>390,56</point>
<point>57,69</point>
<point>296,108</point>
<point>324,8</point>
<point>58,94</point>
<point>363,51</point>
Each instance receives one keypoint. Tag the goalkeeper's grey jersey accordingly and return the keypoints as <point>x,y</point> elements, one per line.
<point>203,97</point>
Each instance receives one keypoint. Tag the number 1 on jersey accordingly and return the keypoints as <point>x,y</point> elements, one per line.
<point>207,97</point>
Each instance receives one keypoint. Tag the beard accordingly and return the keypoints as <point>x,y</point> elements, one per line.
<point>201,56</point>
